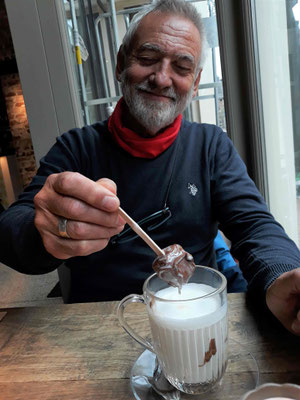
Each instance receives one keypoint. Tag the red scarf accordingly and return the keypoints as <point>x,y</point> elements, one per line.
<point>136,145</point>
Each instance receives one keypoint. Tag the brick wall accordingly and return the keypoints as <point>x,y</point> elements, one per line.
<point>12,91</point>
<point>18,123</point>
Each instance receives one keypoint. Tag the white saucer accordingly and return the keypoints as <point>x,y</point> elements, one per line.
<point>241,365</point>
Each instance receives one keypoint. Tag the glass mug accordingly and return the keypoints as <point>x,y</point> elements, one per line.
<point>189,335</point>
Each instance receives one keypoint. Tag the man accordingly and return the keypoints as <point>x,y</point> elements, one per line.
<point>182,179</point>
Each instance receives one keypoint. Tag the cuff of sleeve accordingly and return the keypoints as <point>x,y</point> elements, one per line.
<point>265,276</point>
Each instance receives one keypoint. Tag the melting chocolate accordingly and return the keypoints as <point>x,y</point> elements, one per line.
<point>212,350</point>
<point>175,267</point>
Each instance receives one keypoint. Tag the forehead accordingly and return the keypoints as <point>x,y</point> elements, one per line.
<point>171,33</point>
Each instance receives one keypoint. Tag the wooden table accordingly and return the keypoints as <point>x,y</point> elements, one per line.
<point>80,352</point>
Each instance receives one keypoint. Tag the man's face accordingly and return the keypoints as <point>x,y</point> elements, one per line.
<point>159,78</point>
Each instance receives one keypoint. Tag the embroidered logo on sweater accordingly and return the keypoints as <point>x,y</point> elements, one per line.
<point>192,189</point>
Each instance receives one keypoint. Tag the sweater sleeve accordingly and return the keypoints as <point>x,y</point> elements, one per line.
<point>259,242</point>
<point>21,246</point>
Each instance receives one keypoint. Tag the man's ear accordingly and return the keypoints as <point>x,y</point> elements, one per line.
<point>196,83</point>
<point>120,63</point>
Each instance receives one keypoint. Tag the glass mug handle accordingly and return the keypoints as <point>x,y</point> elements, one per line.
<point>132,298</point>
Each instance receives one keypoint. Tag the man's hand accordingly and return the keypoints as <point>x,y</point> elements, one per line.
<point>283,300</point>
<point>89,207</point>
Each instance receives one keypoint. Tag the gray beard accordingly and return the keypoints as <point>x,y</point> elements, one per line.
<point>153,115</point>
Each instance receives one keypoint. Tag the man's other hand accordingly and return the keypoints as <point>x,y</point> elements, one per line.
<point>90,208</point>
<point>283,300</point>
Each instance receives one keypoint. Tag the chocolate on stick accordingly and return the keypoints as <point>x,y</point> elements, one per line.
<point>172,264</point>
<point>175,267</point>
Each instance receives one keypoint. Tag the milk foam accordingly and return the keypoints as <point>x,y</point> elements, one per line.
<point>196,312</point>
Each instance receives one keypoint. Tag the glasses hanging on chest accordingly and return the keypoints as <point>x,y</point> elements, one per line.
<point>153,221</point>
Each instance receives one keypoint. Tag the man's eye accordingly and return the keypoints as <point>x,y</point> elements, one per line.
<point>183,68</point>
<point>147,60</point>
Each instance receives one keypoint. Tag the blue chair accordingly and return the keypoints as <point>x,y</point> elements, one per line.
<point>228,266</point>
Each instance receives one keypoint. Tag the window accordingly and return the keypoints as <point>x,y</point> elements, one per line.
<point>278,61</point>
<point>98,30</point>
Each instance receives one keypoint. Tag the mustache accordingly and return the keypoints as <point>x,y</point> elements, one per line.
<point>168,92</point>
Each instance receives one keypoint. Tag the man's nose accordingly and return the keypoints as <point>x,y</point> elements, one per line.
<point>162,76</point>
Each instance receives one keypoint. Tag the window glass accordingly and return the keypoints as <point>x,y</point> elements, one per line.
<point>278,57</point>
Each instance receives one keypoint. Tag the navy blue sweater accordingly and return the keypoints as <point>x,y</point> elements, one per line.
<point>209,188</point>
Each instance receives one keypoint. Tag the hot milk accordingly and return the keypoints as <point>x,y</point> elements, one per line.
<point>190,337</point>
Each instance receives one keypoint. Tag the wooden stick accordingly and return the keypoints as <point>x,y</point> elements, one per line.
<point>137,229</point>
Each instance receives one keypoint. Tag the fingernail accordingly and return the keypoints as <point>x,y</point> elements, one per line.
<point>110,203</point>
<point>296,327</point>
